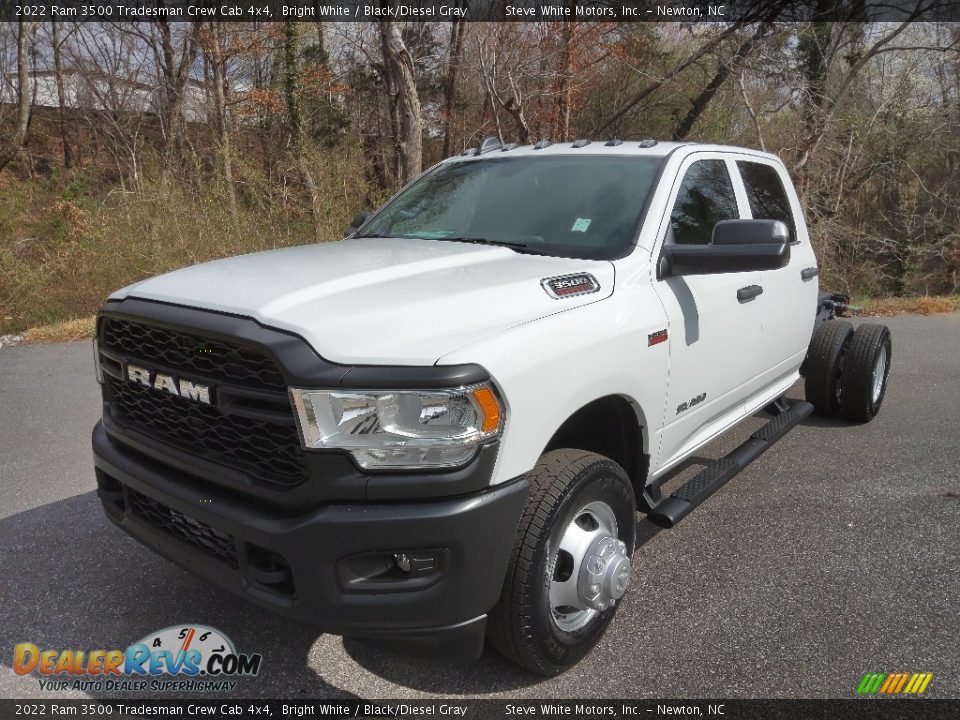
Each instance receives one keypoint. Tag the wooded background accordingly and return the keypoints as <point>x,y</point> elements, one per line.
<point>131,149</point>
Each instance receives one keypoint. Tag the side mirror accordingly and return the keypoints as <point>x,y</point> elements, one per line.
<point>358,220</point>
<point>736,246</point>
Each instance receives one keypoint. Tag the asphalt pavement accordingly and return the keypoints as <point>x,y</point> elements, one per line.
<point>835,554</point>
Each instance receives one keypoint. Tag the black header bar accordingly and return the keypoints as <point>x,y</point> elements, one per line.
<point>724,11</point>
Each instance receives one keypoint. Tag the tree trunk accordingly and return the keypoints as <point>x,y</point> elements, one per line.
<point>218,67</point>
<point>10,149</point>
<point>321,41</point>
<point>61,95</point>
<point>393,115</point>
<point>813,46</point>
<point>457,33</point>
<point>762,12</point>
<point>655,85</point>
<point>176,74</point>
<point>700,103</point>
<point>291,86</point>
<point>565,85</point>
<point>399,67</point>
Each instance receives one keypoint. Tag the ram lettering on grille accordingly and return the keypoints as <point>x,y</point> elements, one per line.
<point>174,386</point>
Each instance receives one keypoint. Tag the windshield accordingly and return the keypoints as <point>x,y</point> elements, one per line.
<point>583,207</point>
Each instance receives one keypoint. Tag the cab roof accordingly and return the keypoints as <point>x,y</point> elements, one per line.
<point>492,147</point>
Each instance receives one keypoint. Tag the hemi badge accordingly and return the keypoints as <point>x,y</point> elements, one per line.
<point>655,338</point>
<point>563,286</point>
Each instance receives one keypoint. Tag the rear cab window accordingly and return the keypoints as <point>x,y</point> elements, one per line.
<point>766,195</point>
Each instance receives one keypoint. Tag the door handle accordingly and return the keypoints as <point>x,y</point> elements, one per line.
<point>809,273</point>
<point>748,293</point>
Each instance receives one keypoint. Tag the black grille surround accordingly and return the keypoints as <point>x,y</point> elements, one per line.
<point>257,436</point>
<point>192,354</point>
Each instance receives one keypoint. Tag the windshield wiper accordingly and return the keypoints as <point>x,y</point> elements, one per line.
<point>515,246</point>
<point>486,241</point>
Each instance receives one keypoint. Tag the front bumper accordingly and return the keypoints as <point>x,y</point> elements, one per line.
<point>331,566</point>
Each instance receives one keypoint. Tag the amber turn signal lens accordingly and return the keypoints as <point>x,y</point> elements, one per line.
<point>490,407</point>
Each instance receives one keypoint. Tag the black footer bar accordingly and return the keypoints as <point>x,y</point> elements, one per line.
<point>913,708</point>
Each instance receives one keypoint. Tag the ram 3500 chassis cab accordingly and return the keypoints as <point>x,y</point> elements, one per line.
<point>441,428</point>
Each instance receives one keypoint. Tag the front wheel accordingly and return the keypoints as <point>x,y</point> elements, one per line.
<point>570,563</point>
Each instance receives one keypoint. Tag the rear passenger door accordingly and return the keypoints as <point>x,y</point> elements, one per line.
<point>789,299</point>
<point>714,337</point>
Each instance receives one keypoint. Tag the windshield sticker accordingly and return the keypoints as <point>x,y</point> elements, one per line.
<point>580,225</point>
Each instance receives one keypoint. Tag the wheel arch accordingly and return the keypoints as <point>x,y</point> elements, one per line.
<point>614,426</point>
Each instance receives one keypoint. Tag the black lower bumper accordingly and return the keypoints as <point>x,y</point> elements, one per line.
<point>424,573</point>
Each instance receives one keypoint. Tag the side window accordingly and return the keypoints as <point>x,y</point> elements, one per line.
<point>768,199</point>
<point>706,197</point>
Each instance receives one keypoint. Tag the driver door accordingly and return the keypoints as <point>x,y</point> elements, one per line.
<point>715,335</point>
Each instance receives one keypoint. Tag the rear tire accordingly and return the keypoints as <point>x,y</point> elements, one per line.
<point>581,509</point>
<point>825,365</point>
<point>866,369</point>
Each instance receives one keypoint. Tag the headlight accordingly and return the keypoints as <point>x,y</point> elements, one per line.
<point>400,428</point>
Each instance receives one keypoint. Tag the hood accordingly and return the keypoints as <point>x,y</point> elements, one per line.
<point>379,300</point>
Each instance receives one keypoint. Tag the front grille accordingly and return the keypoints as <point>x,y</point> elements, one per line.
<point>191,354</point>
<point>269,451</point>
<point>208,540</point>
<point>265,448</point>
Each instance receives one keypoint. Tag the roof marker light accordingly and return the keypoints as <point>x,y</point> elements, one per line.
<point>488,144</point>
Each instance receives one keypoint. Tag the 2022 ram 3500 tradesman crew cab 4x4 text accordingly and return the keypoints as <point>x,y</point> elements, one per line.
<point>440,428</point>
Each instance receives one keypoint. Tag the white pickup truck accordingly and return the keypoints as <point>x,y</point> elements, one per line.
<point>441,428</point>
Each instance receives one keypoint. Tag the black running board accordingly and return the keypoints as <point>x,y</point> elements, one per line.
<point>718,473</point>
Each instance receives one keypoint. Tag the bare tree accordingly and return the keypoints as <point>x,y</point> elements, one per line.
<point>56,41</point>
<point>110,82</point>
<point>291,85</point>
<point>12,146</point>
<point>700,102</point>
<point>217,65</point>
<point>655,84</point>
<point>402,86</point>
<point>175,73</point>
<point>823,106</point>
<point>565,85</point>
<point>454,59</point>
<point>492,67</point>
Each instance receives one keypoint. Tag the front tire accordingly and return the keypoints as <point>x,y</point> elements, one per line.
<point>570,562</point>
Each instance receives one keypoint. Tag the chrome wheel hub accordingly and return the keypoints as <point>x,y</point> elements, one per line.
<point>879,373</point>
<point>591,568</point>
<point>605,574</point>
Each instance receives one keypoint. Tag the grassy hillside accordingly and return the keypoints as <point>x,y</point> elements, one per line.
<point>69,239</point>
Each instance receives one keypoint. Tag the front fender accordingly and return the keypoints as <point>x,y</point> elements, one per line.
<point>548,369</point>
